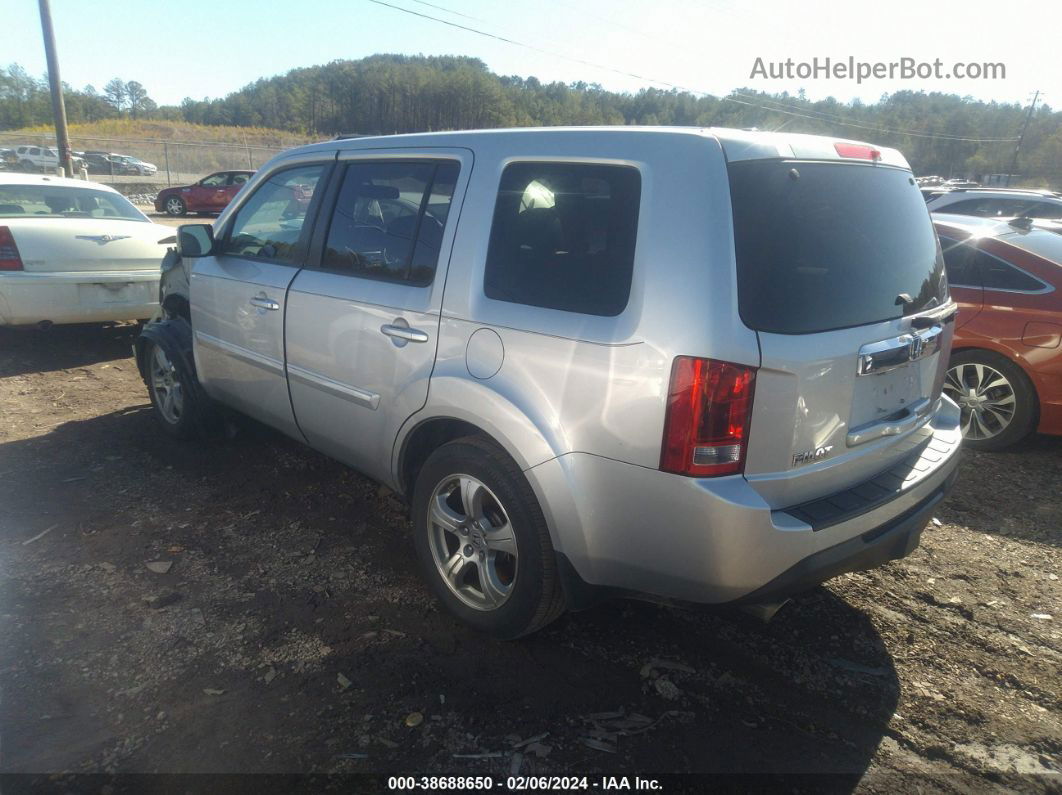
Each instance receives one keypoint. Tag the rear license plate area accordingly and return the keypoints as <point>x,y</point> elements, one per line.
<point>885,395</point>
<point>109,293</point>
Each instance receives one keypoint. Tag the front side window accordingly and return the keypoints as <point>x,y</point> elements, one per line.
<point>269,224</point>
<point>959,262</point>
<point>563,237</point>
<point>214,180</point>
<point>389,219</point>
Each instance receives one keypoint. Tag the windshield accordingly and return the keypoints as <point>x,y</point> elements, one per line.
<point>55,201</point>
<point>827,245</point>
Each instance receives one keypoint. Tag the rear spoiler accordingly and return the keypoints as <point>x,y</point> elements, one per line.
<point>756,145</point>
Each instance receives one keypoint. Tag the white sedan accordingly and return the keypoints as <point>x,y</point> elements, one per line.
<point>75,252</point>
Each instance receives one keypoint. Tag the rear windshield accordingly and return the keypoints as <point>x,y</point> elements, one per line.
<point>57,201</point>
<point>824,246</point>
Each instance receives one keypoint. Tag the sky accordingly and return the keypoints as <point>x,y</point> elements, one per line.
<point>200,48</point>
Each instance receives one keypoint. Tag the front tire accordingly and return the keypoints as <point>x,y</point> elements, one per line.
<point>172,392</point>
<point>175,206</point>
<point>482,541</point>
<point>998,401</point>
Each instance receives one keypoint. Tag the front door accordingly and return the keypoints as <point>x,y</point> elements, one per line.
<point>238,296</point>
<point>362,328</point>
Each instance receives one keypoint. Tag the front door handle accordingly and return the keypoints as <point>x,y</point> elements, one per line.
<point>404,333</point>
<point>265,303</point>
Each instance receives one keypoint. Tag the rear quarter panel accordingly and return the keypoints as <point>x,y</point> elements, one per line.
<point>572,382</point>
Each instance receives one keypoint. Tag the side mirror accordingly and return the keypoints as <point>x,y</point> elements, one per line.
<point>195,240</point>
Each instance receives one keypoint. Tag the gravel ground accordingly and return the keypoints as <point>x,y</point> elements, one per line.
<point>282,627</point>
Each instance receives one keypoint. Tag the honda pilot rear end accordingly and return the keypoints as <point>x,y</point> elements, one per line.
<point>824,446</point>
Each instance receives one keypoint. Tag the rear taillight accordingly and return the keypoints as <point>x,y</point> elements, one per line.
<point>10,259</point>
<point>861,151</point>
<point>706,429</point>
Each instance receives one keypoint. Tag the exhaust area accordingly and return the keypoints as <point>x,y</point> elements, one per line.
<point>764,611</point>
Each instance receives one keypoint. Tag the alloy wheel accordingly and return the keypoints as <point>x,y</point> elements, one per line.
<point>985,396</point>
<point>166,385</point>
<point>174,206</point>
<point>472,542</point>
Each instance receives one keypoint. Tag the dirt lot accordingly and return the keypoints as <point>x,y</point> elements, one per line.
<point>291,632</point>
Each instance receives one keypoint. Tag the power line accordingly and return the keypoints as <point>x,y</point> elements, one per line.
<point>679,87</point>
<point>447,10</point>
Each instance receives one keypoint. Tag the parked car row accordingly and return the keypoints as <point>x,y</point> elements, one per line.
<point>45,159</point>
<point>115,164</point>
<point>617,392</point>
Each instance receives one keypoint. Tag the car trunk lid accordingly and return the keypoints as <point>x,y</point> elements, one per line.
<point>87,244</point>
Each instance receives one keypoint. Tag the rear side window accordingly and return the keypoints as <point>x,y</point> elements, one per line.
<point>1052,210</point>
<point>269,224</point>
<point>389,219</point>
<point>824,245</point>
<point>563,237</point>
<point>969,266</point>
<point>999,275</point>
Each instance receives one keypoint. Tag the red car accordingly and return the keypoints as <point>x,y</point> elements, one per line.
<point>209,195</point>
<point>1006,363</point>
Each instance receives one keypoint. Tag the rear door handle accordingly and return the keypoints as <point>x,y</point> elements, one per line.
<point>265,303</point>
<point>404,333</point>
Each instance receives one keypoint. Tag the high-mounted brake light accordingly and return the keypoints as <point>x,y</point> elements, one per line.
<point>706,429</point>
<point>860,151</point>
<point>10,259</point>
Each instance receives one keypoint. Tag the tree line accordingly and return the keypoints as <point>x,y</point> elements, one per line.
<point>385,94</point>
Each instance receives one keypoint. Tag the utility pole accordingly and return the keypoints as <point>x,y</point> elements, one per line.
<point>62,137</point>
<point>1021,137</point>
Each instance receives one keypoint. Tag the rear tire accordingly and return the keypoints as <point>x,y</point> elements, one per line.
<point>173,392</point>
<point>998,401</point>
<point>482,540</point>
<point>175,206</point>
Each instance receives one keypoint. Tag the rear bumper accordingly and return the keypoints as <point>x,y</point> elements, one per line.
<point>623,529</point>
<point>1049,390</point>
<point>28,298</point>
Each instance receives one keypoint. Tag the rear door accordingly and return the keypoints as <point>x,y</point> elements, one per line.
<point>362,329</point>
<point>835,259</point>
<point>238,296</point>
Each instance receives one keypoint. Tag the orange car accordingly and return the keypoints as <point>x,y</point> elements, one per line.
<point>1006,363</point>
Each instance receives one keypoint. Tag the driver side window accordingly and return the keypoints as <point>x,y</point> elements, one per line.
<point>388,220</point>
<point>269,224</point>
<point>213,181</point>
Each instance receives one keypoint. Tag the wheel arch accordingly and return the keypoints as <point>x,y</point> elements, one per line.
<point>459,408</point>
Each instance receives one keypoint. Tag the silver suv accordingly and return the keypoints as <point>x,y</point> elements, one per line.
<point>696,365</point>
<point>997,202</point>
